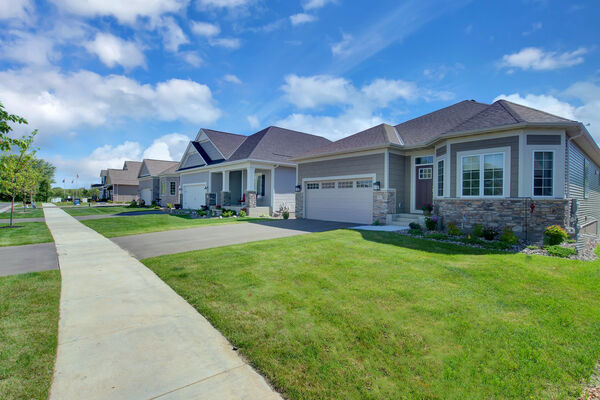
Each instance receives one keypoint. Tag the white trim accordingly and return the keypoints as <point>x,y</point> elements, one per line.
<point>358,153</point>
<point>386,170</point>
<point>329,178</point>
<point>199,139</point>
<point>398,137</point>
<point>272,188</point>
<point>483,152</point>
<point>436,168</point>
<point>533,172</point>
<point>413,179</point>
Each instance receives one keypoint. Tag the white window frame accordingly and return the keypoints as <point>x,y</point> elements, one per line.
<point>172,188</point>
<point>163,190</point>
<point>422,169</point>
<point>533,172</point>
<point>436,181</point>
<point>429,163</point>
<point>505,151</point>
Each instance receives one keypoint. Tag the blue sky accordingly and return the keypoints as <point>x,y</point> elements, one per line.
<point>107,80</point>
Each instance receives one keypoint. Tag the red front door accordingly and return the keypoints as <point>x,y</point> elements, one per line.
<point>423,185</point>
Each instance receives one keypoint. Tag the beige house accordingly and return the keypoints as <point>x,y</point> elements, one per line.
<point>149,190</point>
<point>121,185</point>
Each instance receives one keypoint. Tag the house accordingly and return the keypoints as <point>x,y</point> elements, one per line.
<point>500,164</point>
<point>169,186</point>
<point>255,172</point>
<point>102,188</point>
<point>122,184</point>
<point>149,182</point>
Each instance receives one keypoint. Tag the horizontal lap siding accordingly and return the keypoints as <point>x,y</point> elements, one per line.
<point>359,165</point>
<point>167,198</point>
<point>587,209</point>
<point>196,177</point>
<point>511,141</point>
<point>400,180</point>
<point>284,193</point>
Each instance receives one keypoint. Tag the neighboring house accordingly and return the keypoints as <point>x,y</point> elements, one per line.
<point>497,165</point>
<point>169,186</point>
<point>102,188</point>
<point>236,171</point>
<point>122,184</point>
<point>149,181</point>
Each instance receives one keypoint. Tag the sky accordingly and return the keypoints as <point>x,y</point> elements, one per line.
<point>109,80</point>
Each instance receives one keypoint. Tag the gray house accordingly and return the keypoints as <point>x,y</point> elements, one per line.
<point>169,186</point>
<point>499,164</point>
<point>149,190</point>
<point>122,184</point>
<point>255,172</point>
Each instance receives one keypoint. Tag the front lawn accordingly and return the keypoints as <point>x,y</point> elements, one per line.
<point>86,210</point>
<point>20,212</point>
<point>375,315</point>
<point>113,227</point>
<point>28,334</point>
<point>29,233</point>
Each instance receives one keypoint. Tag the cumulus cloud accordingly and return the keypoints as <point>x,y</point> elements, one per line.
<point>216,4</point>
<point>228,43</point>
<point>168,147</point>
<point>253,121</point>
<point>539,60</point>
<point>205,28</point>
<point>302,18</point>
<point>232,79</point>
<point>343,47</point>
<point>29,49</point>
<point>113,50</point>
<point>59,103</point>
<point>19,10</point>
<point>192,58</point>
<point>173,36</point>
<point>331,127</point>
<point>314,4</point>
<point>124,11</point>
<point>317,90</point>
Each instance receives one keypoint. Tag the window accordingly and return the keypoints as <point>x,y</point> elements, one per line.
<point>345,185</point>
<point>364,184</point>
<point>162,187</point>
<point>543,171</point>
<point>424,160</point>
<point>491,166</point>
<point>425,173</point>
<point>440,178</point>
<point>328,185</point>
<point>259,184</point>
<point>311,186</point>
<point>172,188</point>
<point>586,179</point>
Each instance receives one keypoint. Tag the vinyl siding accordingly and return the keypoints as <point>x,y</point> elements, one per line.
<point>543,139</point>
<point>167,198</point>
<point>587,209</point>
<point>285,191</point>
<point>125,192</point>
<point>441,151</point>
<point>400,180</point>
<point>152,184</point>
<point>510,141</point>
<point>369,164</point>
<point>211,150</point>
<point>193,160</point>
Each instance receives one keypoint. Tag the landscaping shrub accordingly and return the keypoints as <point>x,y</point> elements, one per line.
<point>417,232</point>
<point>242,213</point>
<point>439,236</point>
<point>559,251</point>
<point>427,208</point>
<point>508,236</point>
<point>376,222</point>
<point>554,235</point>
<point>489,232</point>
<point>477,231</point>
<point>286,214</point>
<point>169,206</point>
<point>431,222</point>
<point>414,225</point>
<point>201,213</point>
<point>132,204</point>
<point>453,229</point>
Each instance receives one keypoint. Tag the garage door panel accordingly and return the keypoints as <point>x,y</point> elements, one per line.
<point>146,195</point>
<point>194,196</point>
<point>344,205</point>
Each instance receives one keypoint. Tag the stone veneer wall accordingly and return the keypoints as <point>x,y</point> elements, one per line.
<point>299,205</point>
<point>251,199</point>
<point>384,203</point>
<point>500,213</point>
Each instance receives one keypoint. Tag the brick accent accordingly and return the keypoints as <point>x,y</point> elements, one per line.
<point>512,212</point>
<point>299,205</point>
<point>384,203</point>
<point>251,199</point>
<point>224,199</point>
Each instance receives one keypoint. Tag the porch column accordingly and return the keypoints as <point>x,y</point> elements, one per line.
<point>250,188</point>
<point>226,181</point>
<point>225,195</point>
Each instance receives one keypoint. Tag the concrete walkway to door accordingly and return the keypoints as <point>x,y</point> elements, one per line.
<point>124,334</point>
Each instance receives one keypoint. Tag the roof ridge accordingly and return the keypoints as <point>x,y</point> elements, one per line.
<point>468,119</point>
<point>510,103</point>
<point>443,108</point>
<point>509,110</point>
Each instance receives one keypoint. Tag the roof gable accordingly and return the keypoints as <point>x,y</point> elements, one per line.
<point>225,142</point>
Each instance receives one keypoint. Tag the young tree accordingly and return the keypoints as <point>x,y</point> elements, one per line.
<point>7,142</point>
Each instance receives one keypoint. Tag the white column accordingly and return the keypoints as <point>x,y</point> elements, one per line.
<point>250,179</point>
<point>226,181</point>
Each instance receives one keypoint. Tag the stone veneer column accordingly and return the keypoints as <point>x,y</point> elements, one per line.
<point>299,205</point>
<point>384,203</point>
<point>251,199</point>
<point>224,199</point>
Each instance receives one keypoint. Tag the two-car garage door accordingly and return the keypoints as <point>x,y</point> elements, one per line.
<point>347,200</point>
<point>194,196</point>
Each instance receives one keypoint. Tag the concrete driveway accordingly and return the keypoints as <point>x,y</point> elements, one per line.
<point>178,241</point>
<point>28,258</point>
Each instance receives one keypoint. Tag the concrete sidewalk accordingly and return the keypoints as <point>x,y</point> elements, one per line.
<point>124,334</point>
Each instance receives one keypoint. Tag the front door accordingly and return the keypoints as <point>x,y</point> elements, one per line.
<point>423,185</point>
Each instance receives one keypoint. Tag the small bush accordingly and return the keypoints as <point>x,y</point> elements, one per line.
<point>227,213</point>
<point>169,206</point>
<point>559,251</point>
<point>490,233</point>
<point>416,232</point>
<point>554,235</point>
<point>431,222</point>
<point>427,208</point>
<point>477,231</point>
<point>508,236</point>
<point>414,225</point>
<point>453,229</point>
<point>132,204</point>
<point>532,247</point>
<point>242,214</point>
<point>201,213</point>
<point>286,214</point>
<point>438,236</point>
<point>218,207</point>
<point>376,222</point>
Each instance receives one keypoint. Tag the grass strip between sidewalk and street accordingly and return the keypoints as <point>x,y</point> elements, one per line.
<point>24,233</point>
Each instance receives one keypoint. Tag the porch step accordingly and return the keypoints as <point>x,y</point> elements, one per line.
<point>405,219</point>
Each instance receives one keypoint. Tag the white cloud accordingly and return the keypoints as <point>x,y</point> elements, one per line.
<point>536,59</point>
<point>113,50</point>
<point>173,36</point>
<point>29,49</point>
<point>318,90</point>
<point>125,11</point>
<point>253,121</point>
<point>232,79</point>
<point>205,28</point>
<point>302,18</point>
<point>343,47</point>
<point>57,103</point>
<point>314,4</point>
<point>331,127</point>
<point>168,147</point>
<point>228,43</point>
<point>192,58</point>
<point>535,27</point>
<point>207,4</point>
<point>20,10</point>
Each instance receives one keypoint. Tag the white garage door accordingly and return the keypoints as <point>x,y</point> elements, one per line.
<point>146,195</point>
<point>194,196</point>
<point>348,200</point>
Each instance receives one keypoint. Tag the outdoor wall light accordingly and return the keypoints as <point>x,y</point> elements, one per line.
<point>377,186</point>
<point>298,188</point>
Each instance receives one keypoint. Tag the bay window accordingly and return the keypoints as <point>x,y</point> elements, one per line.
<point>543,172</point>
<point>483,175</point>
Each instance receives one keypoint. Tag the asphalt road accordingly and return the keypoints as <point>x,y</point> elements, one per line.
<point>85,217</point>
<point>178,241</point>
<point>28,258</point>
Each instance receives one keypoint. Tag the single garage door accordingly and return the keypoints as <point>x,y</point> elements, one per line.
<point>194,196</point>
<point>146,195</point>
<point>348,200</point>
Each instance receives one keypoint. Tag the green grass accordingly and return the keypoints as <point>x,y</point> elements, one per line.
<point>85,210</point>
<point>122,226</point>
<point>375,315</point>
<point>28,334</point>
<point>30,233</point>
<point>20,212</point>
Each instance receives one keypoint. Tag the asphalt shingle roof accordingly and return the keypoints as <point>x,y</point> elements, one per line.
<point>127,176</point>
<point>226,142</point>
<point>155,167</point>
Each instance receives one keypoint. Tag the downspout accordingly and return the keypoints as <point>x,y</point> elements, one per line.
<point>567,178</point>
